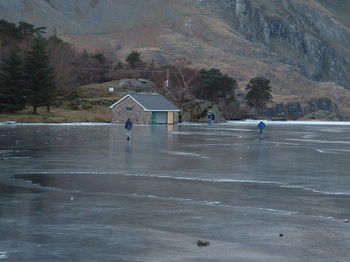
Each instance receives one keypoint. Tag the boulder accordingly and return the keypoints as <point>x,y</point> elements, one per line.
<point>135,85</point>
<point>196,111</point>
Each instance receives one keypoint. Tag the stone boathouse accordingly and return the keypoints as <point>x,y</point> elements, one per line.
<point>145,108</point>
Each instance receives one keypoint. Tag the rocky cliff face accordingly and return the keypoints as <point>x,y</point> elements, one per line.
<point>317,108</point>
<point>295,33</point>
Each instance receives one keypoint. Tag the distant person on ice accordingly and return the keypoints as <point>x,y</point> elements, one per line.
<point>128,126</point>
<point>211,118</point>
<point>261,127</point>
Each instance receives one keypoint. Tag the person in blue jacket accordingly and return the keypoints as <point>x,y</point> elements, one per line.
<point>261,127</point>
<point>128,126</point>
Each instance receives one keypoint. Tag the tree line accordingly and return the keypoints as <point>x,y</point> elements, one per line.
<point>29,80</point>
<point>35,69</point>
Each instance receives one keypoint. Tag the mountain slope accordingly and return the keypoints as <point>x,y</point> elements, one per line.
<point>295,43</point>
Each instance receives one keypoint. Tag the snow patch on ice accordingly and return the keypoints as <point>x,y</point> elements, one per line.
<point>192,133</point>
<point>332,151</point>
<point>162,197</point>
<point>234,129</point>
<point>269,122</point>
<point>319,141</point>
<point>315,190</point>
<point>285,143</point>
<point>278,211</point>
<point>177,153</point>
<point>3,254</point>
<point>283,185</point>
<point>206,180</point>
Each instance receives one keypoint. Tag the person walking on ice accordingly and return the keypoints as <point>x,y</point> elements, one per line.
<point>128,126</point>
<point>210,118</point>
<point>261,127</point>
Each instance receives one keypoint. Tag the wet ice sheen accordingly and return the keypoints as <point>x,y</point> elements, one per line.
<point>152,198</point>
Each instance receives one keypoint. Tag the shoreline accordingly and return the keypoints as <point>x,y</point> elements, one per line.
<point>231,122</point>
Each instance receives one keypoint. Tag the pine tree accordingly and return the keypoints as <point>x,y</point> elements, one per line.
<point>258,93</point>
<point>216,85</point>
<point>133,58</point>
<point>39,75</point>
<point>11,84</point>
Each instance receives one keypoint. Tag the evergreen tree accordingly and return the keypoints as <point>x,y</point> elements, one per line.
<point>133,58</point>
<point>9,30</point>
<point>39,75</point>
<point>118,66</point>
<point>216,85</point>
<point>258,93</point>
<point>11,84</point>
<point>27,30</point>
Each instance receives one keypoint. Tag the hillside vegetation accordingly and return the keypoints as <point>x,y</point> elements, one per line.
<point>302,46</point>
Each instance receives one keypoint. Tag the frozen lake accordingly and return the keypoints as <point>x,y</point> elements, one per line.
<point>84,193</point>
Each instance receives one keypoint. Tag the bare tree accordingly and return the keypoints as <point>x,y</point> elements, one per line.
<point>186,79</point>
<point>177,81</point>
<point>63,58</point>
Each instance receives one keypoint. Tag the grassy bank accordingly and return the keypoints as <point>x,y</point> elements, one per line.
<point>60,115</point>
<point>90,104</point>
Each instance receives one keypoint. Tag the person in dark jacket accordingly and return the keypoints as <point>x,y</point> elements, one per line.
<point>261,127</point>
<point>210,120</point>
<point>128,126</point>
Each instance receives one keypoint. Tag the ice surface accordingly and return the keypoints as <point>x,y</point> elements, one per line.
<point>82,192</point>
